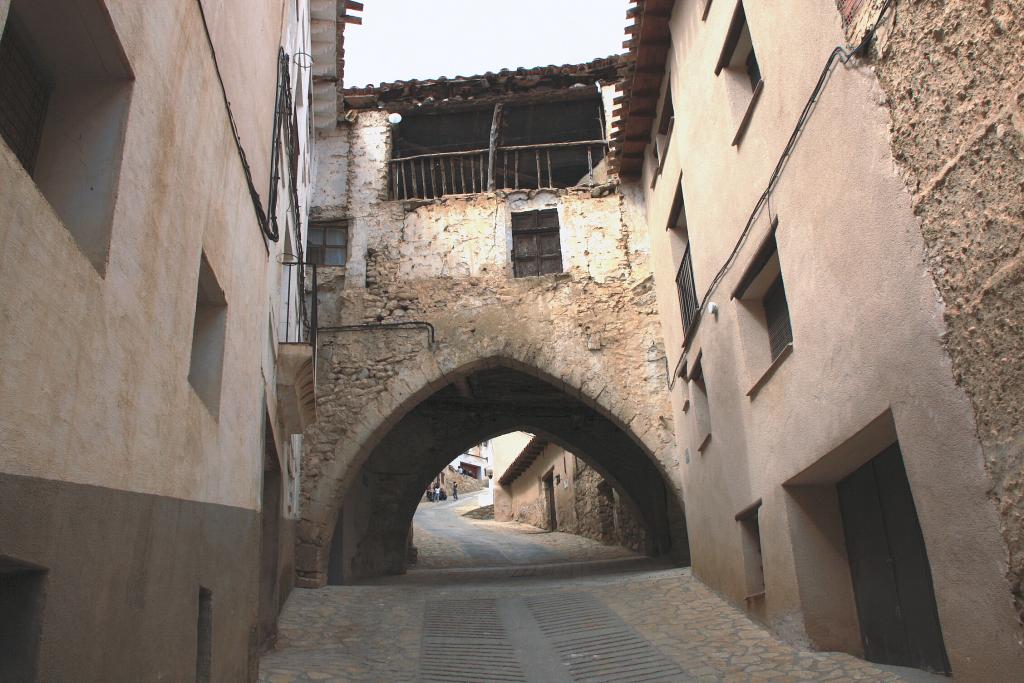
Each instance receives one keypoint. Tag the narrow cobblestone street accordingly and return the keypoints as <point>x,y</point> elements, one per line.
<point>507,602</point>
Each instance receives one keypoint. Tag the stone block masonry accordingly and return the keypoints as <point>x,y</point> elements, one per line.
<point>591,330</point>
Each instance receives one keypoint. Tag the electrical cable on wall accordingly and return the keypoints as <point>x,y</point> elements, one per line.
<point>843,56</point>
<point>270,232</point>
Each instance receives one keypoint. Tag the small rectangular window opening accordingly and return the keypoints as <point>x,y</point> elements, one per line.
<point>677,216</point>
<point>776,314</point>
<point>26,91</point>
<point>689,302</point>
<point>204,636</point>
<point>328,243</point>
<point>21,618</point>
<point>750,530</point>
<point>66,87</point>
<point>762,283</point>
<point>536,247</point>
<point>666,121</point>
<point>701,406</point>
<point>208,333</point>
<point>738,52</point>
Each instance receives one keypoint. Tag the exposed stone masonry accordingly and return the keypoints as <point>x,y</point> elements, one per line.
<point>593,329</point>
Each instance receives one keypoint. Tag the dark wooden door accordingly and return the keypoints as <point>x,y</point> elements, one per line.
<point>549,498</point>
<point>892,579</point>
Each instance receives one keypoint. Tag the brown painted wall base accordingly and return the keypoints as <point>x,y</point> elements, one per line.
<point>120,592</point>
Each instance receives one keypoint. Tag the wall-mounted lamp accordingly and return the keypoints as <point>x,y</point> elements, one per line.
<point>713,309</point>
<point>394,118</point>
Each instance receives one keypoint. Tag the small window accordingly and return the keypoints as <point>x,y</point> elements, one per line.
<point>536,248</point>
<point>701,406</point>
<point>776,314</point>
<point>208,332</point>
<point>750,530</point>
<point>328,243</point>
<point>762,292</point>
<point>26,93</point>
<point>21,618</point>
<point>665,124</point>
<point>677,216</point>
<point>66,88</point>
<point>738,52</point>
<point>689,303</point>
<point>741,73</point>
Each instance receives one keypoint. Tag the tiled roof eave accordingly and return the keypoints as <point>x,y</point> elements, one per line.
<point>643,72</point>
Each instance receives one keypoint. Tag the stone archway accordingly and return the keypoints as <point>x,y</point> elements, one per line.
<point>408,431</point>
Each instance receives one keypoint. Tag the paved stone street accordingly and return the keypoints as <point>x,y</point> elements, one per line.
<point>577,617</point>
<point>445,538</point>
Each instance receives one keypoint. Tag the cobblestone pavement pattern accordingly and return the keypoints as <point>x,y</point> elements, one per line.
<point>660,625</point>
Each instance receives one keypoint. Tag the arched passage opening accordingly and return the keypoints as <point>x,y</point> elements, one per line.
<point>373,513</point>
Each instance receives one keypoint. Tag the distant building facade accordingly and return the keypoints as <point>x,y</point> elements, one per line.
<point>551,488</point>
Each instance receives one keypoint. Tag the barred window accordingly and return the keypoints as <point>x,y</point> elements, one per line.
<point>776,314</point>
<point>688,301</point>
<point>26,93</point>
<point>328,243</point>
<point>536,247</point>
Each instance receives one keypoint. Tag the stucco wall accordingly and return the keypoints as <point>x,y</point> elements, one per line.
<point>100,421</point>
<point>122,340</point>
<point>868,338</point>
<point>951,74</point>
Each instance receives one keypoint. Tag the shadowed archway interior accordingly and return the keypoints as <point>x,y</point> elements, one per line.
<point>375,512</point>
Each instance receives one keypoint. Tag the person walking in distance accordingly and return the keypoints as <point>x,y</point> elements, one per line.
<point>455,490</point>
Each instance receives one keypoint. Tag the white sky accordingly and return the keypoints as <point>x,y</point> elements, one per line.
<point>406,39</point>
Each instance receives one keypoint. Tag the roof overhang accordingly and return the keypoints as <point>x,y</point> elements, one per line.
<point>634,112</point>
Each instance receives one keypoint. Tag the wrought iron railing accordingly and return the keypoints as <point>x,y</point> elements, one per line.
<point>512,167</point>
<point>298,321</point>
<point>688,301</point>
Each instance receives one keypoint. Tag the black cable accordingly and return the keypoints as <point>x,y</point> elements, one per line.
<point>844,57</point>
<point>257,204</point>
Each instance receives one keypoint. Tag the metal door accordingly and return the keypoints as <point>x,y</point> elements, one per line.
<point>889,565</point>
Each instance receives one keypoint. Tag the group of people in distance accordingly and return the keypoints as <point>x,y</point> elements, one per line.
<point>436,492</point>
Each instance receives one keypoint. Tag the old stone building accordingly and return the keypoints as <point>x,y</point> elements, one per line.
<point>553,489</point>
<point>493,279</point>
<point>834,239</point>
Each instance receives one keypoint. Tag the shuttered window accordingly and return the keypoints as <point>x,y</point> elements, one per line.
<point>25,96</point>
<point>328,243</point>
<point>776,313</point>
<point>536,248</point>
<point>688,301</point>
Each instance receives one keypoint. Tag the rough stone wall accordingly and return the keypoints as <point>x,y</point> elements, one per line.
<point>602,515</point>
<point>467,484</point>
<point>953,79</point>
<point>592,329</point>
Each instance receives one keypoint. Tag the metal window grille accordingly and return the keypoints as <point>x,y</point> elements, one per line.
<point>536,247</point>
<point>688,301</point>
<point>776,313</point>
<point>24,94</point>
<point>328,243</point>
